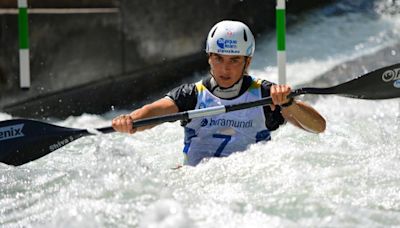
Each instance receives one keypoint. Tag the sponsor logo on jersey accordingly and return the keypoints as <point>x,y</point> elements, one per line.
<point>226,123</point>
<point>204,122</point>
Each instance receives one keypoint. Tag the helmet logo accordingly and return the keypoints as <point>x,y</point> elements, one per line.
<point>225,43</point>
<point>221,43</point>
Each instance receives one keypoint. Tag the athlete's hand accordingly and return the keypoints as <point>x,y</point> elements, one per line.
<point>279,95</point>
<point>123,123</point>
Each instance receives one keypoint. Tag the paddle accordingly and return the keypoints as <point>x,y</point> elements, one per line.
<point>22,140</point>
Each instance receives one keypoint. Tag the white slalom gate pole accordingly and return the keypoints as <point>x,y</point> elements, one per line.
<point>24,65</point>
<point>281,40</point>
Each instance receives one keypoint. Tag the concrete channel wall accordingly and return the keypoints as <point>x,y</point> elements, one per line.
<point>90,56</point>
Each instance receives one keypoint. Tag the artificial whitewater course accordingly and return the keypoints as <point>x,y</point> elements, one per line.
<point>347,176</point>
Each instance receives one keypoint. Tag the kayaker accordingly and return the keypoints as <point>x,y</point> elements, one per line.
<point>230,47</point>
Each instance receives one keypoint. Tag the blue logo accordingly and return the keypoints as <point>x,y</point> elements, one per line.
<point>204,122</point>
<point>221,43</point>
<point>396,84</point>
<point>231,123</point>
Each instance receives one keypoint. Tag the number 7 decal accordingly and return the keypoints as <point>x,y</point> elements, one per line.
<point>221,147</point>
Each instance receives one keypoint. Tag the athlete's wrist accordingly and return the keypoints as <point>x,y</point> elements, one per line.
<point>289,103</point>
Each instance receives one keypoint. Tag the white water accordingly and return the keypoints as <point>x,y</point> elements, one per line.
<point>345,177</point>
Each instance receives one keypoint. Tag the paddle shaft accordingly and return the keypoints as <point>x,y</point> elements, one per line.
<point>216,110</point>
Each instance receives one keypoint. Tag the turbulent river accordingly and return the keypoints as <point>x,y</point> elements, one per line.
<point>346,177</point>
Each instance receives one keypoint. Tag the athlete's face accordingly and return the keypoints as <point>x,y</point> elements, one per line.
<point>227,69</point>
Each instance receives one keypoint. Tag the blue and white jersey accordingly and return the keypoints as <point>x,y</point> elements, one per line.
<point>224,134</point>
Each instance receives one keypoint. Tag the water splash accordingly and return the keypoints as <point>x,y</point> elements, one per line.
<point>345,177</point>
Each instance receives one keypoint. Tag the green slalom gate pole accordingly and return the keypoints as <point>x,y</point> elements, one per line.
<point>24,66</point>
<point>281,39</point>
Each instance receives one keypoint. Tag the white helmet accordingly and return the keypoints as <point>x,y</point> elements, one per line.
<point>230,38</point>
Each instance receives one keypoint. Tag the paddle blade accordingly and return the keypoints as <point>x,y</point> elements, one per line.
<point>22,141</point>
<point>383,83</point>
